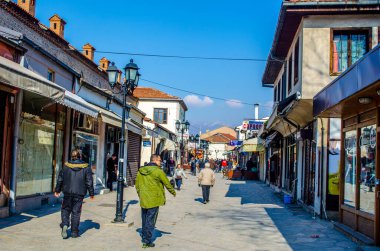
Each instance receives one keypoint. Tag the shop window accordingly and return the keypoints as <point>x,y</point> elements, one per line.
<point>283,85</point>
<point>348,46</point>
<point>161,115</point>
<point>367,168</point>
<point>350,168</point>
<point>35,155</point>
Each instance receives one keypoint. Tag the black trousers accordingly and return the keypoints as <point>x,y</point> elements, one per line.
<point>149,218</point>
<point>206,192</point>
<point>111,178</point>
<point>71,206</point>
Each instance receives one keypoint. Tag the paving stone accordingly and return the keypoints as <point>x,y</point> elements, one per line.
<point>242,215</point>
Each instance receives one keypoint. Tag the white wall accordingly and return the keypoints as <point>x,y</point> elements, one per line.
<point>221,148</point>
<point>173,111</point>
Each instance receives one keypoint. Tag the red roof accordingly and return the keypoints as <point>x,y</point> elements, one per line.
<point>147,92</point>
<point>220,138</point>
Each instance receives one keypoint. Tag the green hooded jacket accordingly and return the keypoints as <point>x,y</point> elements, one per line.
<point>150,184</point>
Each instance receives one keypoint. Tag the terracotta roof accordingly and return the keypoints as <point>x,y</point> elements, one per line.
<point>151,93</point>
<point>148,93</point>
<point>220,138</point>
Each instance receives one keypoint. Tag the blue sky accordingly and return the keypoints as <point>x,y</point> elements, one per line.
<point>213,28</point>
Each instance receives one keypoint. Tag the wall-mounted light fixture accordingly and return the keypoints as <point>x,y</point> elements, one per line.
<point>365,100</point>
<point>378,92</point>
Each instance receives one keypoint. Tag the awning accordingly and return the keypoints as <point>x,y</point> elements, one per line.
<point>13,74</point>
<point>253,148</point>
<point>109,117</point>
<point>77,103</point>
<point>169,145</point>
<point>299,112</point>
<point>360,80</point>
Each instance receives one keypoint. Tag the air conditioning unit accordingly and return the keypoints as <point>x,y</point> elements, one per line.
<point>84,122</point>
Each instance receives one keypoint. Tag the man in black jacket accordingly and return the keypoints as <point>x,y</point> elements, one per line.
<point>74,180</point>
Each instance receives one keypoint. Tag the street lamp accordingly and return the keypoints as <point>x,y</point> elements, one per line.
<point>128,86</point>
<point>195,139</point>
<point>182,127</point>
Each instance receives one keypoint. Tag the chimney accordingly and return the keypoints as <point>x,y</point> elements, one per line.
<point>104,63</point>
<point>88,51</point>
<point>28,5</point>
<point>256,108</point>
<point>57,25</point>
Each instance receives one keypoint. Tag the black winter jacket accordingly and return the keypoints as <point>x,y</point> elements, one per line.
<point>75,178</point>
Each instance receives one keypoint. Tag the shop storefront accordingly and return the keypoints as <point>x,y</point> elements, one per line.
<point>354,97</point>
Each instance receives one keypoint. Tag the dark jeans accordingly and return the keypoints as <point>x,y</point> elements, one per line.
<point>171,169</point>
<point>111,178</point>
<point>149,218</point>
<point>206,192</point>
<point>178,183</point>
<point>71,206</point>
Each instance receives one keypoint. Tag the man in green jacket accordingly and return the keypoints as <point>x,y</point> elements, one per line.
<point>150,184</point>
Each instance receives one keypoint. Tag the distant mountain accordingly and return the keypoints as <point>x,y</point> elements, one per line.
<point>207,126</point>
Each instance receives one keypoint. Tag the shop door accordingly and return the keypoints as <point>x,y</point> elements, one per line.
<point>6,132</point>
<point>134,151</point>
<point>309,178</point>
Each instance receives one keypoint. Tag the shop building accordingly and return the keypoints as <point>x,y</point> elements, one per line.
<point>315,41</point>
<point>46,92</point>
<point>354,98</point>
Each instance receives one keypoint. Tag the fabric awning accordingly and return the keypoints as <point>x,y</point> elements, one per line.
<point>77,103</point>
<point>299,112</point>
<point>109,117</point>
<point>169,145</point>
<point>253,148</point>
<point>13,74</point>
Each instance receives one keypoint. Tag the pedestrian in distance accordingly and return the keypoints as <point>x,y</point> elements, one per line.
<point>179,174</point>
<point>171,164</point>
<point>193,164</point>
<point>111,171</point>
<point>150,183</point>
<point>74,180</point>
<point>206,180</point>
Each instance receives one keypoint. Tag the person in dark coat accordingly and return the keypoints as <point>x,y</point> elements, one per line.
<point>74,180</point>
<point>111,171</point>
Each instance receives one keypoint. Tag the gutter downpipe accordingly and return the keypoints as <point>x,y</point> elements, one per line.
<point>323,208</point>
<point>12,197</point>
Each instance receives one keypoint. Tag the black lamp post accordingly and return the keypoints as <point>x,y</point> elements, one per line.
<point>195,139</point>
<point>128,86</point>
<point>182,127</point>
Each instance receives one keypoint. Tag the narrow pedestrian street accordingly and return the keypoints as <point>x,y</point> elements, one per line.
<point>242,215</point>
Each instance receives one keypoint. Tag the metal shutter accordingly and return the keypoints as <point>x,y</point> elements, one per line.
<point>134,152</point>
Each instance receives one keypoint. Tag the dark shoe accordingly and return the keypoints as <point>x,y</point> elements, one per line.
<point>204,202</point>
<point>148,245</point>
<point>208,201</point>
<point>64,232</point>
<point>74,235</point>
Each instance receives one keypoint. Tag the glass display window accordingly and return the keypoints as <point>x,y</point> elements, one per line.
<point>367,168</point>
<point>350,167</point>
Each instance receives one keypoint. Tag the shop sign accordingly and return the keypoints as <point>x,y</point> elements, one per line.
<point>372,138</point>
<point>147,143</point>
<point>45,138</point>
<point>235,143</point>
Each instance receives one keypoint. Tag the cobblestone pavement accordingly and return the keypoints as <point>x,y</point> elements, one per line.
<point>241,216</point>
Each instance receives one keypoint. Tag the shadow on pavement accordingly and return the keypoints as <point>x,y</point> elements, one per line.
<point>156,233</point>
<point>200,200</point>
<point>298,229</point>
<point>29,215</point>
<point>87,225</point>
<point>132,202</point>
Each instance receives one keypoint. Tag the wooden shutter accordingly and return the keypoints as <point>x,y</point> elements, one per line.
<point>134,152</point>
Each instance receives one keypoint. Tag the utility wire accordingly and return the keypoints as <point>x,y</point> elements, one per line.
<point>200,94</point>
<point>187,57</point>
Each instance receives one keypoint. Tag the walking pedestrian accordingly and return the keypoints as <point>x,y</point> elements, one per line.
<point>74,180</point>
<point>193,164</point>
<point>206,179</point>
<point>179,173</point>
<point>111,171</point>
<point>171,164</point>
<point>150,184</point>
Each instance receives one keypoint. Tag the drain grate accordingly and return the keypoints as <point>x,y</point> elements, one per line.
<point>106,205</point>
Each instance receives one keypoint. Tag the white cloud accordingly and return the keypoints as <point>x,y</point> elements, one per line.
<point>194,100</point>
<point>234,103</point>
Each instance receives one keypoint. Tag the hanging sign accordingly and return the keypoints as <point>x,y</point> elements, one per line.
<point>372,138</point>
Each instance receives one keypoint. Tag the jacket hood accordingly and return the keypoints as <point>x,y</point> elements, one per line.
<point>76,165</point>
<point>148,169</point>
